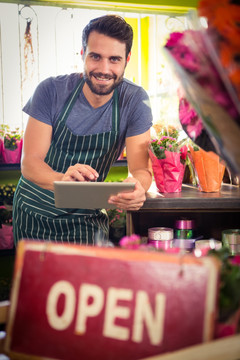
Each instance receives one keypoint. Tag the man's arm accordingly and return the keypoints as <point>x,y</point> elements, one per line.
<point>141,173</point>
<point>36,142</point>
<point>138,159</point>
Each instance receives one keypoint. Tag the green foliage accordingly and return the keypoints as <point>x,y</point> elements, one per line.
<point>229,299</point>
<point>6,194</point>
<point>5,217</point>
<point>170,131</point>
<point>10,136</point>
<point>117,217</point>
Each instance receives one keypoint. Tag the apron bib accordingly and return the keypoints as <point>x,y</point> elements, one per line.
<point>34,213</point>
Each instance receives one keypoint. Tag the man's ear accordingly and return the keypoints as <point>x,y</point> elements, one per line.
<point>82,53</point>
<point>128,57</point>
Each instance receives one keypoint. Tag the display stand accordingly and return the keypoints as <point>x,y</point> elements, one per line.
<point>212,212</point>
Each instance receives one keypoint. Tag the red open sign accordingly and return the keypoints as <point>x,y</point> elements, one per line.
<point>70,302</point>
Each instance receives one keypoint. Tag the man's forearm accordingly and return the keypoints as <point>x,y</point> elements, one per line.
<point>40,173</point>
<point>144,176</point>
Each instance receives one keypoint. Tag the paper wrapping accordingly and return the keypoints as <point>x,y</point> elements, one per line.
<point>209,170</point>
<point>168,172</point>
<point>6,237</point>
<point>12,156</point>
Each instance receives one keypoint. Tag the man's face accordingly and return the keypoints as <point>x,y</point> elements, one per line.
<point>104,63</point>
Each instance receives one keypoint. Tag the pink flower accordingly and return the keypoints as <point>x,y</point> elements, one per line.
<point>174,38</point>
<point>130,242</point>
<point>195,129</point>
<point>184,151</point>
<point>235,260</point>
<point>190,118</point>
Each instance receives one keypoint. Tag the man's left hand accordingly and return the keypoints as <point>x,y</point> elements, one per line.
<point>133,200</point>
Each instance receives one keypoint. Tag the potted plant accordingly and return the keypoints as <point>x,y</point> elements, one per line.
<point>11,145</point>
<point>168,156</point>
<point>6,229</point>
<point>229,293</point>
<point>117,224</point>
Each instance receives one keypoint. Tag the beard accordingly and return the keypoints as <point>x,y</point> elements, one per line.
<point>102,89</point>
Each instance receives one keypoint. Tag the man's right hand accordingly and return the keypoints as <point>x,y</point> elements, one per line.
<point>80,172</point>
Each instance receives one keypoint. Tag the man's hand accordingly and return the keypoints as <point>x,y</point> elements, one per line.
<point>133,200</point>
<point>80,172</point>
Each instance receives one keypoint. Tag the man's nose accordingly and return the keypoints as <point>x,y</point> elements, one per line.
<point>104,66</point>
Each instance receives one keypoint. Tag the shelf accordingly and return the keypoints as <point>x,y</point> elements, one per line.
<point>191,198</point>
<point>212,212</point>
<point>4,167</point>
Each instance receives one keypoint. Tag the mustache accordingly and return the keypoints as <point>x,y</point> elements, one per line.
<point>103,76</point>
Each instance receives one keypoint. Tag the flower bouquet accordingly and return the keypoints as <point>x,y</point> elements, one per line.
<point>227,322</point>
<point>209,169</point>
<point>117,224</point>
<point>168,158</point>
<point>199,56</point>
<point>11,146</point>
<point>6,229</point>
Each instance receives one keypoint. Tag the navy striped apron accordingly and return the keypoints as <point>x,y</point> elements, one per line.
<point>34,213</point>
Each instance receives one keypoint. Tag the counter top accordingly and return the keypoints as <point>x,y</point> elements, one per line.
<point>191,198</point>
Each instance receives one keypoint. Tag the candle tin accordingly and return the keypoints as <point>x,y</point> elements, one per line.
<point>160,237</point>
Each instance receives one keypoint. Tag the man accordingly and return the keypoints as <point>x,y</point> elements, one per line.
<point>78,126</point>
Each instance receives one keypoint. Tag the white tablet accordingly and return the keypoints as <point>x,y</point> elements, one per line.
<point>88,195</point>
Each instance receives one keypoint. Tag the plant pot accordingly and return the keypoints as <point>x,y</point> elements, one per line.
<point>168,172</point>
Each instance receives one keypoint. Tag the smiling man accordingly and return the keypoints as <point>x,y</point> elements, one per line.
<point>78,126</point>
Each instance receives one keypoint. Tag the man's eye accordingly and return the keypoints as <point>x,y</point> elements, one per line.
<point>95,57</point>
<point>115,59</point>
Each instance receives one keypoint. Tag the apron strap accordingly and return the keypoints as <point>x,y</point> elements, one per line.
<point>71,101</point>
<point>73,97</point>
<point>115,112</point>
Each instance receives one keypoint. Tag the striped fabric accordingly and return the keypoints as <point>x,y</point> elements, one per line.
<point>34,213</point>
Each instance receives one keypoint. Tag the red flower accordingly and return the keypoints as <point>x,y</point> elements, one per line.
<point>183,152</point>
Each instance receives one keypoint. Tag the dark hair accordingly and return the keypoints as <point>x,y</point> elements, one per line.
<point>110,25</point>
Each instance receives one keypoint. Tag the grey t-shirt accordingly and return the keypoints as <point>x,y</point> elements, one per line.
<point>51,94</point>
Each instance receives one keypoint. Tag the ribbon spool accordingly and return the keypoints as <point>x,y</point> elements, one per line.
<point>231,240</point>
<point>160,237</point>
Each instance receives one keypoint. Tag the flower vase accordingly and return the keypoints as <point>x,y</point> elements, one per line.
<point>209,170</point>
<point>6,237</point>
<point>169,172</point>
<point>13,156</point>
<point>1,151</point>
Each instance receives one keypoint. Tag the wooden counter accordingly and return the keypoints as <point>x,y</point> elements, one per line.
<point>212,212</point>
